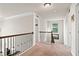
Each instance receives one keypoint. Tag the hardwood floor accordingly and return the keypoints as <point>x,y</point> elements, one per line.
<point>44,49</point>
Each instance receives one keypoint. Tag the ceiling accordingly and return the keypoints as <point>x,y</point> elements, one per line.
<point>55,10</point>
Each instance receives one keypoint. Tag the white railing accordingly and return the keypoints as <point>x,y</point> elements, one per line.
<point>15,44</point>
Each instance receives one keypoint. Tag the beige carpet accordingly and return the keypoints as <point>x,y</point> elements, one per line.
<point>44,49</point>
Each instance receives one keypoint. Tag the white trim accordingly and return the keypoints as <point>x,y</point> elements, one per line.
<point>25,51</point>
<point>34,41</point>
<point>39,29</point>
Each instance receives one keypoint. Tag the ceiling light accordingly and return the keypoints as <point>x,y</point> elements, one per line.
<point>47,4</point>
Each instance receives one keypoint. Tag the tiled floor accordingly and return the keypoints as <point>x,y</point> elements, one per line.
<point>44,49</point>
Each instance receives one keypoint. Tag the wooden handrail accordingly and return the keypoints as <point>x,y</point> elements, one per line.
<point>16,35</point>
<point>48,32</point>
<point>44,32</point>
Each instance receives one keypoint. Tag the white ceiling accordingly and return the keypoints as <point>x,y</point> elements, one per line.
<point>11,9</point>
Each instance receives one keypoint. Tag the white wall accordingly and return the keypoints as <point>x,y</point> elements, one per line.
<point>22,24</point>
<point>77,29</point>
<point>1,23</point>
<point>69,30</point>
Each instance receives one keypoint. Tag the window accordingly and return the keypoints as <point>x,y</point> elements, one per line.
<point>55,28</point>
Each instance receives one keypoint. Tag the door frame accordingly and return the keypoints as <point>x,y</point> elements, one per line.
<point>36,18</point>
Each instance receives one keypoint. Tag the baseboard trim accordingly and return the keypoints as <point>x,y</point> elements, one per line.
<point>25,51</point>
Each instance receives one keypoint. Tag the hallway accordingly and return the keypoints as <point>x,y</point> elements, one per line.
<point>32,27</point>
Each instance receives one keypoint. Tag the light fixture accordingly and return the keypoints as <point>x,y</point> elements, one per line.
<point>47,4</point>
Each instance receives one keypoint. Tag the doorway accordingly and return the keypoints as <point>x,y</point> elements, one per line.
<point>56,26</point>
